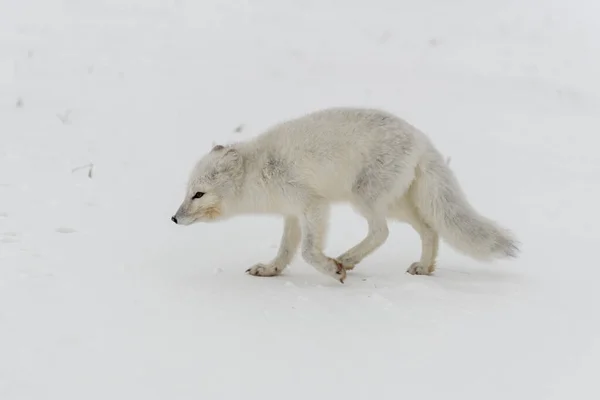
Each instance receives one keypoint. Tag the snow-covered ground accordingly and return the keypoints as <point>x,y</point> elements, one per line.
<point>103,297</point>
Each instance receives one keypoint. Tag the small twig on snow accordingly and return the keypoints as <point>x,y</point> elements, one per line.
<point>90,170</point>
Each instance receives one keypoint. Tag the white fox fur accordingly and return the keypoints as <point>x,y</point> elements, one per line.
<point>380,164</point>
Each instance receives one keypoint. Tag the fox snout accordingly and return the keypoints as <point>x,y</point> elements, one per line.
<point>192,211</point>
<point>186,215</point>
<point>182,216</point>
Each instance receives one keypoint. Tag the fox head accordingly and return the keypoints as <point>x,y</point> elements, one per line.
<point>211,183</point>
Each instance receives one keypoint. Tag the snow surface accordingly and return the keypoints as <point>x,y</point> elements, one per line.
<point>103,297</point>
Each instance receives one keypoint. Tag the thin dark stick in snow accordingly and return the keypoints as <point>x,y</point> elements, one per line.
<point>90,170</point>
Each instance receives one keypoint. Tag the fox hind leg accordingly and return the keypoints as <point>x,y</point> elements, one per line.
<point>429,250</point>
<point>377,235</point>
<point>403,210</point>
<point>373,190</point>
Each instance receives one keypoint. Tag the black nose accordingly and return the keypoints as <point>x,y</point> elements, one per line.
<point>174,219</point>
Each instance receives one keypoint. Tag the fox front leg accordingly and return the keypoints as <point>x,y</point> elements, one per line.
<point>290,240</point>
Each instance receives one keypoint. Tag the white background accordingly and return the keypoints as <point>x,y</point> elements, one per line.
<point>103,297</point>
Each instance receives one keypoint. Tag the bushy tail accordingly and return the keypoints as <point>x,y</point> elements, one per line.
<point>441,203</point>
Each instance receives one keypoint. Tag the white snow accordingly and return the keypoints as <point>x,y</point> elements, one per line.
<point>130,306</point>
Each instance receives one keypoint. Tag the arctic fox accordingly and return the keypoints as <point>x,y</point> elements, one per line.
<point>380,164</point>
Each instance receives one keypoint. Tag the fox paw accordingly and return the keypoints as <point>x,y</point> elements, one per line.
<point>417,268</point>
<point>348,265</point>
<point>264,270</point>
<point>339,270</point>
<point>347,261</point>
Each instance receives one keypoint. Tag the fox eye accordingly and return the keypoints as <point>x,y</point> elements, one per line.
<point>197,195</point>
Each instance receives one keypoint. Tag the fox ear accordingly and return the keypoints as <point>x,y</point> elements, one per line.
<point>229,161</point>
<point>217,147</point>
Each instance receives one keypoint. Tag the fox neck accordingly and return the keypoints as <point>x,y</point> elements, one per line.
<point>252,194</point>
